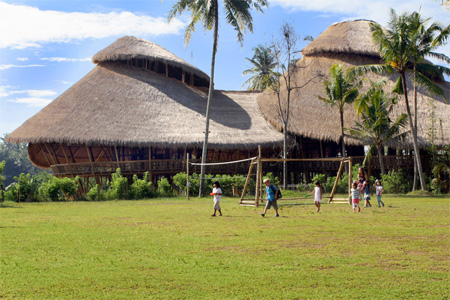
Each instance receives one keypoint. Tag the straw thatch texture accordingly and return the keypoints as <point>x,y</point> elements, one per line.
<point>130,47</point>
<point>312,118</point>
<point>119,105</point>
<point>344,37</point>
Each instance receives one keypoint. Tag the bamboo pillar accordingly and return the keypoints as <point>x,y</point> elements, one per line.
<point>257,188</point>
<point>187,175</point>
<point>247,180</point>
<point>341,167</point>
<point>117,157</point>
<point>183,76</point>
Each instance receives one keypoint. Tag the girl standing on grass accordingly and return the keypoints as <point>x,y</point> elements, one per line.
<point>317,195</point>
<point>355,196</point>
<point>379,191</point>
<point>217,193</point>
<point>367,193</point>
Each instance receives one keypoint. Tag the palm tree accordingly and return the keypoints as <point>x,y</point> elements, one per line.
<point>397,50</point>
<point>376,127</point>
<point>424,41</point>
<point>237,14</point>
<point>263,67</point>
<point>340,89</point>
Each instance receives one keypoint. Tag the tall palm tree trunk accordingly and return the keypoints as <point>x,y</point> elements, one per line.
<point>210,93</point>
<point>342,138</point>
<point>415,126</point>
<point>380,157</point>
<point>411,124</point>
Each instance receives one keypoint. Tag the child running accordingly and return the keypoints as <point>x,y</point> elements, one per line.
<point>317,195</point>
<point>217,193</point>
<point>367,193</point>
<point>379,191</point>
<point>355,196</point>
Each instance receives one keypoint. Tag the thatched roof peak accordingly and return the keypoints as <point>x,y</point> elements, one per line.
<point>130,47</point>
<point>348,37</point>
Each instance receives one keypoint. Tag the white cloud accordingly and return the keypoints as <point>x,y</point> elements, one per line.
<point>9,66</point>
<point>22,58</point>
<point>34,98</point>
<point>34,102</point>
<point>64,59</point>
<point>26,26</point>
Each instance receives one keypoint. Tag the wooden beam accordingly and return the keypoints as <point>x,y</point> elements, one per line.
<point>183,76</point>
<point>341,167</point>
<point>65,155</point>
<point>49,152</point>
<point>117,157</point>
<point>90,159</point>
<point>247,180</point>
<point>43,152</point>
<point>187,176</point>
<point>167,70</point>
<point>191,79</point>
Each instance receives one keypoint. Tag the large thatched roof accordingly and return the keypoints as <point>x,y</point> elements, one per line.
<point>130,47</point>
<point>116,104</point>
<point>312,118</point>
<point>349,37</point>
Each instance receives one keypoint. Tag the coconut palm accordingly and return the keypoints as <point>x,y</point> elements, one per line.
<point>424,40</point>
<point>397,50</point>
<point>340,89</point>
<point>263,69</point>
<point>238,14</point>
<point>376,127</point>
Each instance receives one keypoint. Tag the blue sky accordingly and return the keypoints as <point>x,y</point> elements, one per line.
<point>46,45</point>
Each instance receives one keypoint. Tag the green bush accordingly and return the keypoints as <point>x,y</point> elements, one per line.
<point>141,188</point>
<point>438,186</point>
<point>95,194</point>
<point>27,188</point>
<point>68,187</point>
<point>50,191</point>
<point>119,186</point>
<point>397,182</point>
<point>164,187</point>
<point>11,194</point>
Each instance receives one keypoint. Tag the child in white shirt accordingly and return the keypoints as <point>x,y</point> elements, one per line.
<point>217,193</point>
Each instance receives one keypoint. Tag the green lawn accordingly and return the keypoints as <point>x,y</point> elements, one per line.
<point>173,249</point>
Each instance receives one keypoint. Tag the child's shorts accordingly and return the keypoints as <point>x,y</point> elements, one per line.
<point>317,201</point>
<point>272,203</point>
<point>355,205</point>
<point>366,197</point>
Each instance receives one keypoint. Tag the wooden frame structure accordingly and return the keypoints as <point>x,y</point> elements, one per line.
<point>259,188</point>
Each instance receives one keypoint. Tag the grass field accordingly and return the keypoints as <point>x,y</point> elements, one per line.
<point>173,249</point>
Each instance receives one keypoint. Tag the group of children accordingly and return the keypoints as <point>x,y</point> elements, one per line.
<point>359,187</point>
<point>362,187</point>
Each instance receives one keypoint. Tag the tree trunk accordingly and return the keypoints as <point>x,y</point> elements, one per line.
<point>414,133</point>
<point>210,93</point>
<point>415,126</point>
<point>380,157</point>
<point>284,155</point>
<point>341,112</point>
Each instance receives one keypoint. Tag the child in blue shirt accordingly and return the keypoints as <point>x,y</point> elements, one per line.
<point>272,196</point>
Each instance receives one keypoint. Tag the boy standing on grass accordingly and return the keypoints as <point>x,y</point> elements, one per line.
<point>317,195</point>
<point>355,196</point>
<point>272,196</point>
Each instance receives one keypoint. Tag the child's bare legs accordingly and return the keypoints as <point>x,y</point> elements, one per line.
<point>214,214</point>
<point>220,212</point>
<point>317,205</point>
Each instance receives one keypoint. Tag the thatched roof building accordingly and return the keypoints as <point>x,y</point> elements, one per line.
<point>141,96</point>
<point>349,43</point>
